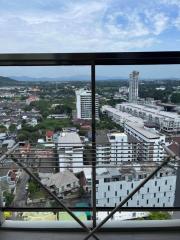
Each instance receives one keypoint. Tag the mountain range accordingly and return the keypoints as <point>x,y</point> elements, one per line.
<point>6,81</point>
<point>64,79</point>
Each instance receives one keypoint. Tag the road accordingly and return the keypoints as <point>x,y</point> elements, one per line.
<point>21,193</point>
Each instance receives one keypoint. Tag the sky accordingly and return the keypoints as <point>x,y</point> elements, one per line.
<point>88,26</point>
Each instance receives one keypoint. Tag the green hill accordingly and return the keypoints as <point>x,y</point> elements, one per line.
<point>5,81</point>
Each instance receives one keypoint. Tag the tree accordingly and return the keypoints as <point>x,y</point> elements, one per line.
<point>8,198</point>
<point>2,129</point>
<point>33,187</point>
<point>12,128</point>
<point>175,98</point>
<point>63,108</point>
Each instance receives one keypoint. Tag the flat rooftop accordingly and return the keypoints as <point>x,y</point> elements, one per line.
<point>143,131</point>
<point>158,112</point>
<point>69,138</point>
<point>125,116</point>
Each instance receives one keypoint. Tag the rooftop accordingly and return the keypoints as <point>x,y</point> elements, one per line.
<point>101,137</point>
<point>123,115</point>
<point>60,179</point>
<point>69,138</point>
<point>158,112</point>
<point>143,131</point>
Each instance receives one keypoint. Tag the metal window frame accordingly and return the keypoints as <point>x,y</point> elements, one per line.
<point>93,60</point>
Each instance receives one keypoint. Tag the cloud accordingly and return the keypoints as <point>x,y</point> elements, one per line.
<point>83,25</point>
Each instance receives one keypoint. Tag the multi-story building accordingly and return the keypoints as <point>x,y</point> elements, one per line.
<point>70,150</point>
<point>113,186</point>
<point>120,117</point>
<point>133,86</point>
<point>103,148</point>
<point>166,121</point>
<point>148,145</point>
<point>112,148</point>
<point>120,149</point>
<point>84,104</point>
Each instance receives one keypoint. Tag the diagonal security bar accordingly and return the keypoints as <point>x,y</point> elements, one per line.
<point>53,195</point>
<point>165,162</point>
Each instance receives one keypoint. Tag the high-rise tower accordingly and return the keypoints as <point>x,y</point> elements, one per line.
<point>84,106</point>
<point>133,86</point>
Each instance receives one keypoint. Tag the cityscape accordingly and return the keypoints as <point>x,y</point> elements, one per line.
<point>48,124</point>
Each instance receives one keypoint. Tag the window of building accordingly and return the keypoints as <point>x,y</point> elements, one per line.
<point>107,200</point>
<point>108,188</point>
<point>142,196</point>
<point>155,183</point>
<point>164,194</point>
<point>159,189</point>
<point>104,194</point>
<point>165,182</point>
<point>107,180</point>
<point>147,189</point>
<point>116,193</point>
<point>158,200</point>
<point>120,186</point>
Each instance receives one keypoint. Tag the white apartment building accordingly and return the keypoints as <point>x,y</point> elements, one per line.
<point>148,145</point>
<point>120,149</point>
<point>84,104</point>
<point>113,186</point>
<point>120,117</point>
<point>112,148</point>
<point>70,150</point>
<point>103,148</point>
<point>166,121</point>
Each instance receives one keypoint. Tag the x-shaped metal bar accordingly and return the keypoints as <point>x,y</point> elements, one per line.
<point>53,195</point>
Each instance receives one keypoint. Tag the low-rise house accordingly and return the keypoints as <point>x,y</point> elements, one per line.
<point>65,184</point>
<point>32,99</point>
<point>8,143</point>
<point>57,116</point>
<point>8,177</point>
<point>3,136</point>
<point>49,136</point>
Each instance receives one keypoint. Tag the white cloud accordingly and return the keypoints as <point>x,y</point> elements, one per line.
<point>81,25</point>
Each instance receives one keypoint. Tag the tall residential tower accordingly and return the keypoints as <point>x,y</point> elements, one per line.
<point>133,86</point>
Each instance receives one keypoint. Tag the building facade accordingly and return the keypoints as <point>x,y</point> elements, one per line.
<point>133,86</point>
<point>166,121</point>
<point>70,151</point>
<point>147,143</point>
<point>113,186</point>
<point>84,104</point>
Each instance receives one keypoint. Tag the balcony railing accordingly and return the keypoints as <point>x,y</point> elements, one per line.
<point>93,60</point>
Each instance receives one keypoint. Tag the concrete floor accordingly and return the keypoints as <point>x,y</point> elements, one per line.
<point>55,235</point>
